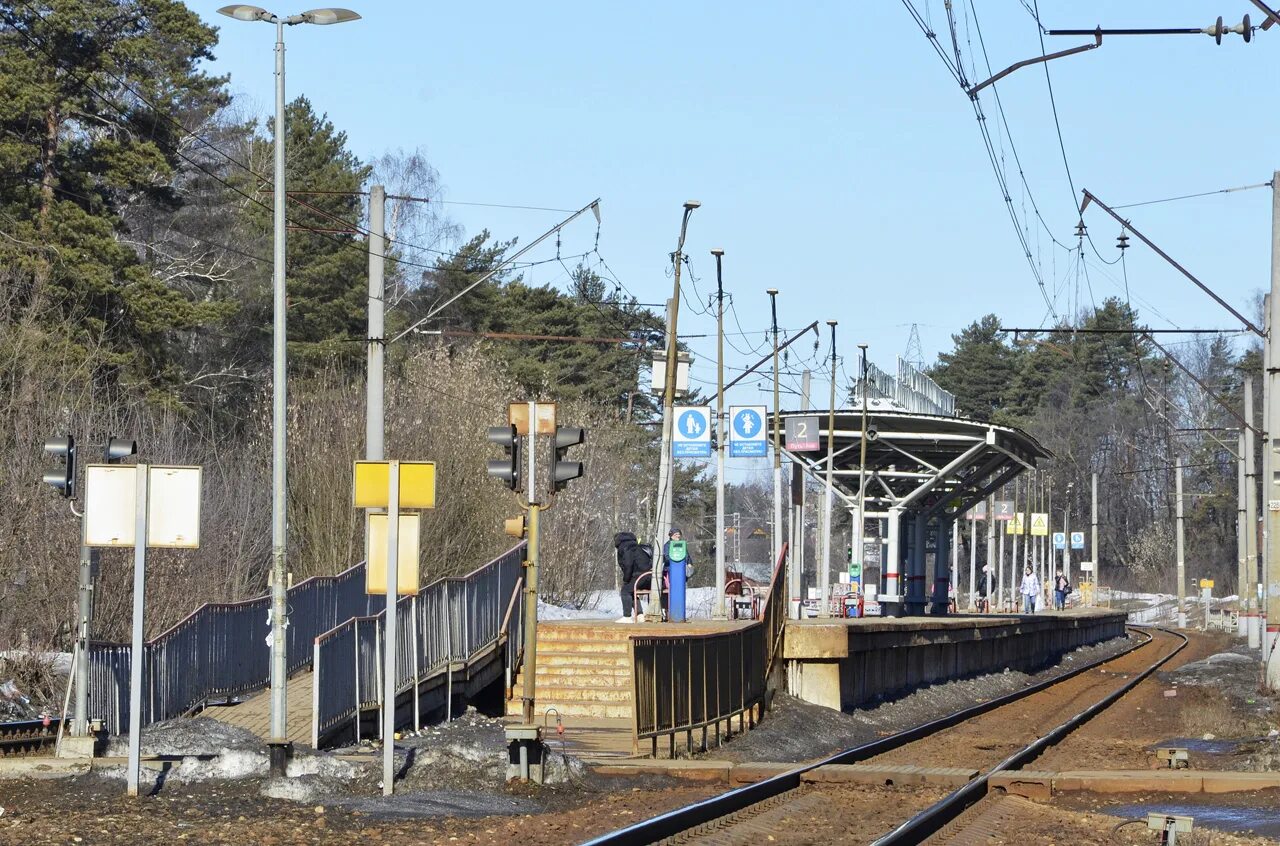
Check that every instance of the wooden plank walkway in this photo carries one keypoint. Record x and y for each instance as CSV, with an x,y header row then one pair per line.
x,y
254,713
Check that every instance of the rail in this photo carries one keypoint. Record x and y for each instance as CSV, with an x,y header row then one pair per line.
x,y
681,820
218,651
450,621
683,684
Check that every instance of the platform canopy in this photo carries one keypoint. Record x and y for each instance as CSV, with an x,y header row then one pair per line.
x,y
917,462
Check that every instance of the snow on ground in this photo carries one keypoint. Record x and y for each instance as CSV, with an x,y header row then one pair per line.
x,y
607,605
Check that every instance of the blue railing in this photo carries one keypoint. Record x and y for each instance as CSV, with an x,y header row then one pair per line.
x,y
449,622
219,651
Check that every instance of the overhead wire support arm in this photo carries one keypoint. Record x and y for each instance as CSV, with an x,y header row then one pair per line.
x,y
973,91
1090,198
1212,394
812,327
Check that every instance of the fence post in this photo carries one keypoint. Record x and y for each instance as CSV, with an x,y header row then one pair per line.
x,y
417,654
355,650
377,668
448,655
315,695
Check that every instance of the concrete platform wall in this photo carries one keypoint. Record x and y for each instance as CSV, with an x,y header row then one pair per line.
x,y
845,665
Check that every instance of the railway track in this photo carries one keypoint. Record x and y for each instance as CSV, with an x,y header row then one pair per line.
x,y
29,737
1005,733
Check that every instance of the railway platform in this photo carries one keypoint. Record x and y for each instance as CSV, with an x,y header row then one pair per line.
x,y
844,663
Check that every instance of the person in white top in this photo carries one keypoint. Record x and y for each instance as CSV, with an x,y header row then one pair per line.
x,y
1030,590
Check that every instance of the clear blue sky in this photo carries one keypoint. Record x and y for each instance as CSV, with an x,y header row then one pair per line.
x,y
834,156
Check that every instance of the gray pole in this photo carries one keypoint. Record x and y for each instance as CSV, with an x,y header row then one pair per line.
x,y
860,525
374,403
666,474
799,504
973,557
279,738
389,628
1266,470
1000,567
722,437
1272,572
1093,536
824,580
1251,521
991,544
141,479
777,455
1066,530
1182,564
1242,545
88,557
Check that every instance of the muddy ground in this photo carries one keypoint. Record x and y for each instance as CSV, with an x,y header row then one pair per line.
x,y
796,731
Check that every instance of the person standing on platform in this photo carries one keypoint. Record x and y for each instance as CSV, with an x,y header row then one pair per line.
x,y
984,589
1061,587
1030,590
625,545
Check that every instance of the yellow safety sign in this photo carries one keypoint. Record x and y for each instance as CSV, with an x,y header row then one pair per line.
x,y
1039,524
1014,526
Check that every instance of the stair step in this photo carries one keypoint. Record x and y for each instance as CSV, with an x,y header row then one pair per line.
x,y
569,657
577,671
585,681
574,708
583,693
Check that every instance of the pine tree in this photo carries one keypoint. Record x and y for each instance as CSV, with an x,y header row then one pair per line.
x,y
979,370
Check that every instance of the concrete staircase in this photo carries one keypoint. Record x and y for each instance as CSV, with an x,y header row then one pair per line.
x,y
584,670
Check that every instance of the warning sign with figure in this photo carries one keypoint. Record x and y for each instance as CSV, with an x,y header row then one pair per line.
x,y
691,434
1039,524
1077,540
1059,540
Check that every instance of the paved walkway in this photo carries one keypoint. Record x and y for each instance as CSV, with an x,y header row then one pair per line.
x,y
254,713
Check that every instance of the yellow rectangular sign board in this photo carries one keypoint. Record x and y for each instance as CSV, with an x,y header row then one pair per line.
x,y
372,481
1039,524
1016,526
407,556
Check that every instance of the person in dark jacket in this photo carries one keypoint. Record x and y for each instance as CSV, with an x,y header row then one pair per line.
x,y
634,560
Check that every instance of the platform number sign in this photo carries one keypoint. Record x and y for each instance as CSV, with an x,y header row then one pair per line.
x,y
802,434
691,436
747,434
1077,540
1004,509
1059,540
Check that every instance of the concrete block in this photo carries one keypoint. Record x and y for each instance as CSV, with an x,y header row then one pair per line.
x,y
77,747
1224,782
1029,784
816,641
1135,781
753,771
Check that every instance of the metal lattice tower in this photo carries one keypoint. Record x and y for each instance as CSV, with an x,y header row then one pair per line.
x,y
915,353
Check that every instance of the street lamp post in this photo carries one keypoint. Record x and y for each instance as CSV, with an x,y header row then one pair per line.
x,y
279,738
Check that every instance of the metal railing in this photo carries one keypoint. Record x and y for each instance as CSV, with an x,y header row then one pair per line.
x,y
682,683
218,651
450,621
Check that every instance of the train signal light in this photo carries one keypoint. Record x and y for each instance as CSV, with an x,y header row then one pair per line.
x,y
118,449
63,478
563,472
506,469
517,527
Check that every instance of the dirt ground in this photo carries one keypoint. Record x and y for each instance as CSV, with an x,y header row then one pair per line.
x,y
796,731
1206,699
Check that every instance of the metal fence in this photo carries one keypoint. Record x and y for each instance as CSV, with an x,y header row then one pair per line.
x,y
218,651
701,683
450,621
911,390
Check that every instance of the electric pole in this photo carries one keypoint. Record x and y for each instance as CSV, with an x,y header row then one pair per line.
x,y
1251,521
1093,537
666,474
721,437
777,456
824,579
1182,564
1271,579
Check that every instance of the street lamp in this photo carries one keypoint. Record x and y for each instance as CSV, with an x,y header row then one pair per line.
x,y
279,739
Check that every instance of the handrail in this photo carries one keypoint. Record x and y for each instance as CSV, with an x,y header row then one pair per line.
x,y
506,618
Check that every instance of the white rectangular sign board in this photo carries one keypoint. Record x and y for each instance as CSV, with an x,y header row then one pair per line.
x,y
691,432
173,518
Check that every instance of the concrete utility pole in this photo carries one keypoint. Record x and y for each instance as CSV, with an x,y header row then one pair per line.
x,y
1252,629
1264,521
991,543
666,468
1242,545
1015,570
777,457
1093,536
800,499
374,403
860,520
721,437
1271,580
973,556
1000,561
1182,564
1066,531
824,578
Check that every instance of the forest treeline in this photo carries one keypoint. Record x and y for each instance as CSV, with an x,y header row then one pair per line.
x,y
135,245
1113,404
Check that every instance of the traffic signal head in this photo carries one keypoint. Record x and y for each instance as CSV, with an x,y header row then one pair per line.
x,y
506,469
62,478
118,449
563,472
